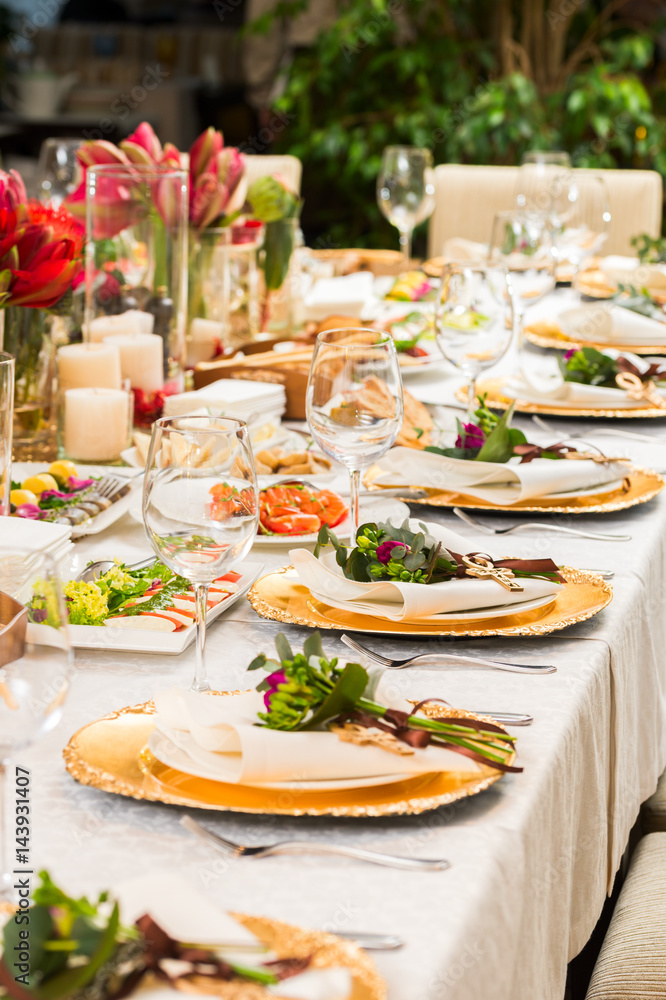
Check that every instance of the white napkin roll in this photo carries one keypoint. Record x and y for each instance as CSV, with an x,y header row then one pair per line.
x,y
611,323
219,733
503,483
548,385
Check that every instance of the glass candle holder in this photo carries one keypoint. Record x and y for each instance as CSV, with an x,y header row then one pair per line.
x,y
136,275
95,424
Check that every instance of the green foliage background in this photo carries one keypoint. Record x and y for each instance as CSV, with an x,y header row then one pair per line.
x,y
429,73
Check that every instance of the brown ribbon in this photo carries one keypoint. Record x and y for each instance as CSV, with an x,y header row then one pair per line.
x,y
539,567
654,370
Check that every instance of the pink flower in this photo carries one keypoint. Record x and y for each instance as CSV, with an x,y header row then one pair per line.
x,y
569,354
472,438
143,146
385,551
203,150
12,194
216,179
273,680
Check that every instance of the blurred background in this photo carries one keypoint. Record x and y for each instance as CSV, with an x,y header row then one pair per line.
x,y
476,81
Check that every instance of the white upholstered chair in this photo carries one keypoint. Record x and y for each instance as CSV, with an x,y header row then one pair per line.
x,y
632,961
467,198
653,812
290,167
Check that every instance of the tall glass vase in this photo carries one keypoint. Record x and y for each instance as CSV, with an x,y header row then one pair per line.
x,y
208,294
6,407
136,276
28,337
282,311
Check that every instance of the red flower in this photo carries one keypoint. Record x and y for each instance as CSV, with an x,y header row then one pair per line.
x,y
40,249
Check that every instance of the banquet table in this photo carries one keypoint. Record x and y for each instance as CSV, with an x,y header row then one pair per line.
x,y
532,858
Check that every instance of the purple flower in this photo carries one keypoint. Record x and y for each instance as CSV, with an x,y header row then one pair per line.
x,y
273,680
385,551
569,354
30,510
39,615
472,438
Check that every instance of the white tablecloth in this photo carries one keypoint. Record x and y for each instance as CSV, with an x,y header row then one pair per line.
x,y
532,858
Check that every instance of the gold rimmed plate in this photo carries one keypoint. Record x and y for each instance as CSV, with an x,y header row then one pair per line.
x,y
547,334
640,486
493,389
280,597
112,754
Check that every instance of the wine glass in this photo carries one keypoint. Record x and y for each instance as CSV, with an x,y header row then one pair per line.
x,y
35,670
522,243
405,191
544,179
58,170
200,505
581,219
354,400
474,318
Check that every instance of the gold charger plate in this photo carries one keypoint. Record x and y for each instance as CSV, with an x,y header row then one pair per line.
x,y
112,754
644,485
493,388
325,951
547,334
282,598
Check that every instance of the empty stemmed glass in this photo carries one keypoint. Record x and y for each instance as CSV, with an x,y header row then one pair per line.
x,y
35,671
354,400
58,169
474,319
544,180
405,191
200,505
522,243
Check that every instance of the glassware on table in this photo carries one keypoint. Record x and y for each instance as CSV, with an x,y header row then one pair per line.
x,y
581,219
35,670
136,275
543,182
354,400
406,191
6,427
522,243
58,170
474,319
200,505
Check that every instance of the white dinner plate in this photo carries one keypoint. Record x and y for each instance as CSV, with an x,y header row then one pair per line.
x,y
479,614
21,471
137,640
177,757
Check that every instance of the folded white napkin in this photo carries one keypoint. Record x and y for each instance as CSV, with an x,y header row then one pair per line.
x,y
628,271
548,385
503,483
23,533
605,324
344,296
219,733
188,915
230,397
458,248
411,601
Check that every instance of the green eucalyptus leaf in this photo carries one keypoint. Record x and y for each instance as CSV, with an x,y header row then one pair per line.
x,y
70,981
283,647
259,662
497,447
414,561
313,646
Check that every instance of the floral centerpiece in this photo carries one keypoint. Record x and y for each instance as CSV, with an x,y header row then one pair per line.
x,y
41,251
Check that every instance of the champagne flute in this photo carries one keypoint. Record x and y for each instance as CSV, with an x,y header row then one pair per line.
x,y
35,670
474,319
405,191
581,219
200,505
354,400
522,243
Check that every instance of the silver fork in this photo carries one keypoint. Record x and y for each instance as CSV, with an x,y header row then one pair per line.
x,y
230,848
454,660
590,432
113,487
527,526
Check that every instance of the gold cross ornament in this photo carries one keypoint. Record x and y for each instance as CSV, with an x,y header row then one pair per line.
x,y
483,568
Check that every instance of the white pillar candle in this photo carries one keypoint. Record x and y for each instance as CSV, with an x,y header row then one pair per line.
x,y
141,359
87,366
205,335
131,321
97,424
